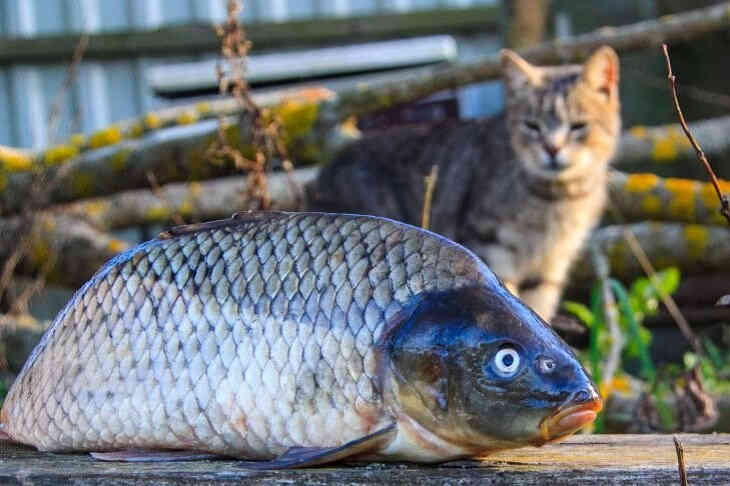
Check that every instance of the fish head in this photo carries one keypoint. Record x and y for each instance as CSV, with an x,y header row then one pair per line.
x,y
480,370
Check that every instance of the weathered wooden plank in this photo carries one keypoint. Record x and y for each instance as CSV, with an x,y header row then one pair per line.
x,y
184,39
586,459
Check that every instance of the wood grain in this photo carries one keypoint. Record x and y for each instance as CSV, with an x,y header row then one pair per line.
x,y
585,459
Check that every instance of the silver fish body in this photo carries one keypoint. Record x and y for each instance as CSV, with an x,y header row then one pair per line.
x,y
246,338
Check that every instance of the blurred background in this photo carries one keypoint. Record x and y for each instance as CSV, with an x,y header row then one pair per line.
x,y
98,95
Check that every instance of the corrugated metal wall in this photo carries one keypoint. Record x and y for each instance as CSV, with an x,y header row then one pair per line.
x,y
108,91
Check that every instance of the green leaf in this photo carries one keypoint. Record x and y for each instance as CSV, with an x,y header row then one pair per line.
x,y
668,280
580,311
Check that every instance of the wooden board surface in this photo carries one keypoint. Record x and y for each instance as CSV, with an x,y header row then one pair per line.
x,y
584,459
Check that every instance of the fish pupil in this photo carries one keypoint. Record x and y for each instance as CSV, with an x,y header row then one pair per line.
x,y
507,360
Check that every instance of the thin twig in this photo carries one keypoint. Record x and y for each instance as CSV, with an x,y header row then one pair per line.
x,y
666,299
43,185
265,125
680,461
160,194
68,82
724,201
430,182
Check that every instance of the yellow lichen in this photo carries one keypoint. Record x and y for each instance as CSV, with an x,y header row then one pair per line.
x,y
186,118
77,140
708,195
95,207
157,213
203,108
639,131
39,252
186,208
697,238
81,184
60,153
136,129
196,188
297,118
664,149
14,160
651,205
152,121
104,137
682,198
119,160
640,183
116,246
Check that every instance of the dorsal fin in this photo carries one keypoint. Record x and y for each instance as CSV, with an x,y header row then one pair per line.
x,y
235,220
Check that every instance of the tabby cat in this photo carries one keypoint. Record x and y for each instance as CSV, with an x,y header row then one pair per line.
x,y
522,189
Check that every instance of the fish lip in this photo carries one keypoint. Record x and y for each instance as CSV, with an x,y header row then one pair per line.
x,y
567,420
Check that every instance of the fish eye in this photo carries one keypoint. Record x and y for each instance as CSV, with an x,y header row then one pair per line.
x,y
546,365
507,361
531,125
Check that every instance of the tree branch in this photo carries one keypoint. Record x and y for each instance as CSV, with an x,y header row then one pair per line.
x,y
724,202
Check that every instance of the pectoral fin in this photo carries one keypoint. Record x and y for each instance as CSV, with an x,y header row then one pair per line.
x,y
139,455
314,456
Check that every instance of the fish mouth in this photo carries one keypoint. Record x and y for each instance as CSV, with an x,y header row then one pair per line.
x,y
568,420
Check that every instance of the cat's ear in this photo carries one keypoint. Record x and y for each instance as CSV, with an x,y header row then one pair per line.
x,y
518,73
600,71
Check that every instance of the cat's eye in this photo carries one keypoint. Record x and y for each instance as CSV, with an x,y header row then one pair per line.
x,y
577,126
532,126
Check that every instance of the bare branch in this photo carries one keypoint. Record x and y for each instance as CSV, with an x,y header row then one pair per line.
x,y
724,202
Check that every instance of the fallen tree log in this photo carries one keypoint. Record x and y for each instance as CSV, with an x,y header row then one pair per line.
x,y
666,150
172,154
671,243
317,111
178,154
18,337
636,197
640,197
695,249
194,201
75,248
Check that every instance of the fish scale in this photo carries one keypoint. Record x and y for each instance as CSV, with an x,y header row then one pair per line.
x,y
241,338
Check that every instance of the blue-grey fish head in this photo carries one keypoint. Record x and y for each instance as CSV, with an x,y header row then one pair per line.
x,y
480,370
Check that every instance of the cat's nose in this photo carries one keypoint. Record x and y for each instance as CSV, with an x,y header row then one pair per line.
x,y
551,149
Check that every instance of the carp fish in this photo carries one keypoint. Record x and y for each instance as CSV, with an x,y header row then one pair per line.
x,y
295,339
